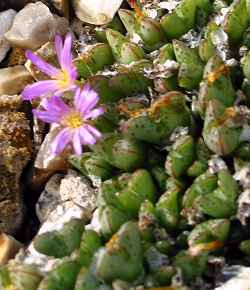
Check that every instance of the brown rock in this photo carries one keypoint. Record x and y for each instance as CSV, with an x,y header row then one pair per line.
x,y
17,57
8,248
15,152
13,80
15,129
11,216
10,103
62,6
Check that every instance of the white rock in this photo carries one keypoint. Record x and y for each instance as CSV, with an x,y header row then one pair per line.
x,y
33,26
63,192
95,222
6,19
71,196
243,209
243,176
50,198
77,188
96,12
62,214
240,282
13,80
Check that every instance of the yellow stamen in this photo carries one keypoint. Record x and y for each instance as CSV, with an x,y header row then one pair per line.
x,y
63,79
73,120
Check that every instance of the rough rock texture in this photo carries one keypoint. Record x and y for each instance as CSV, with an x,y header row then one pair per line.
x,y
6,19
49,198
13,80
243,212
63,192
15,152
10,103
16,56
33,26
77,188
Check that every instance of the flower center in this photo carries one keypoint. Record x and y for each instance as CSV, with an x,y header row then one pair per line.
x,y
63,79
73,120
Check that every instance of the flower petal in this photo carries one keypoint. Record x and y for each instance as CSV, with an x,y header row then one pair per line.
x,y
42,65
77,142
59,48
94,113
66,56
97,134
77,98
39,88
55,104
47,117
73,74
86,137
61,140
89,99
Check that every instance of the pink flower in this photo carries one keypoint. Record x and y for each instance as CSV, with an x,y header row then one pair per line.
x,y
62,80
74,121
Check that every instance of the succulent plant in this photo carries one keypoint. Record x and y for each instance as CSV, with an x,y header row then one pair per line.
x,y
173,83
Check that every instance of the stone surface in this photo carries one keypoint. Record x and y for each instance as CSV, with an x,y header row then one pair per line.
x,y
63,192
240,281
17,56
33,26
6,19
15,152
64,198
62,25
10,103
95,224
77,188
243,208
50,198
96,12
8,248
13,80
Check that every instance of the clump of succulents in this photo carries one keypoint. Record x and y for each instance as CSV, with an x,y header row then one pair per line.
x,y
162,111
